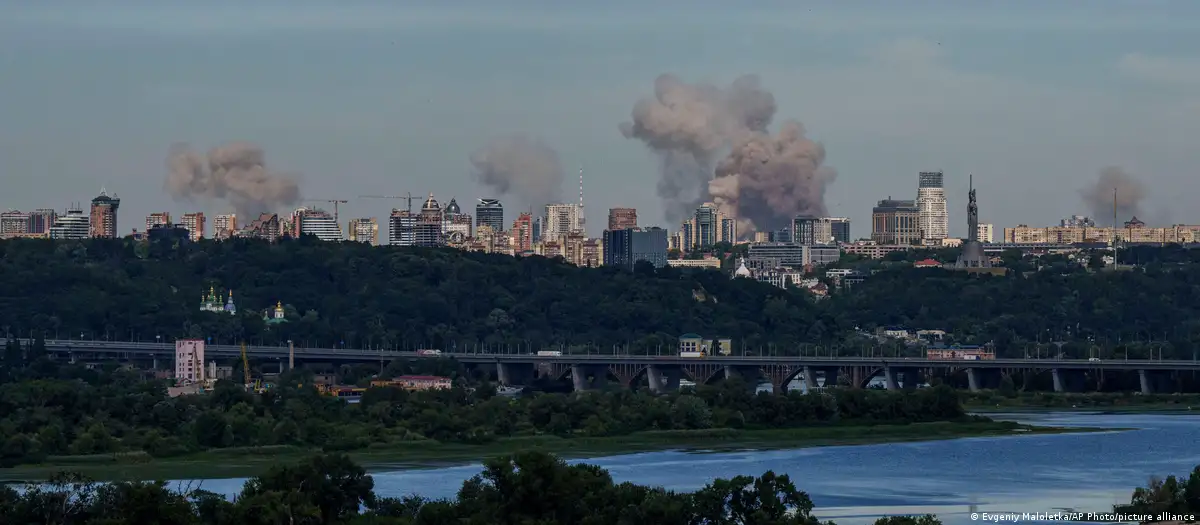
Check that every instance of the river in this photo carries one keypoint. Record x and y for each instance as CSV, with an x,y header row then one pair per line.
x,y
855,484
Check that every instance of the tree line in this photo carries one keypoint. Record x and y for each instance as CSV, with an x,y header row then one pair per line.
x,y
522,489
355,295
77,411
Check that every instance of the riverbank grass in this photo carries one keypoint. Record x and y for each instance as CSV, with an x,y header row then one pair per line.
x,y
242,462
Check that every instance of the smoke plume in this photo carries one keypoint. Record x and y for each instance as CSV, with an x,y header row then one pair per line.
x,y
235,172
763,180
521,166
1099,195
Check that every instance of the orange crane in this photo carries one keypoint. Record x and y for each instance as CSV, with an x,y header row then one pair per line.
x,y
407,196
335,204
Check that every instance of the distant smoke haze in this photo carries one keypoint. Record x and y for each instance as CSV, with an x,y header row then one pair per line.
x,y
235,173
1099,195
763,180
521,166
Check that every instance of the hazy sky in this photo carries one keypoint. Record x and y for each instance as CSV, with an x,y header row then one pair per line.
x,y
388,97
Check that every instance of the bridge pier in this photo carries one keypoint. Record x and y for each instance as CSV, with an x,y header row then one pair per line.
x,y
1066,380
1153,381
889,378
663,379
831,376
810,379
588,377
515,374
751,375
983,379
910,378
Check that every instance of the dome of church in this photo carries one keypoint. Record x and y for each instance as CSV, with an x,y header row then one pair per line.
x,y
452,208
741,271
431,204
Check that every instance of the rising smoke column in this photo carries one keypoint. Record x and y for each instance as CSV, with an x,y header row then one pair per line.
x,y
522,166
690,126
235,172
1099,195
768,180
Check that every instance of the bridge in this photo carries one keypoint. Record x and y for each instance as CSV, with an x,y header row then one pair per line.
x,y
664,372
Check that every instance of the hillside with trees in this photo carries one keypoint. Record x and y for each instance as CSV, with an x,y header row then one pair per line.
x,y
355,295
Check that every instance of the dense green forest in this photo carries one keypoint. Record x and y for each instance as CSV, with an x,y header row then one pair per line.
x,y
77,411
352,294
524,489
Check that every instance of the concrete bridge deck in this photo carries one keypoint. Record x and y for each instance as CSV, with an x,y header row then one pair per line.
x,y
779,370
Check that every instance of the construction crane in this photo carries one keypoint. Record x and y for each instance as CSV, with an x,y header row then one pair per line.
x,y
245,366
335,204
407,196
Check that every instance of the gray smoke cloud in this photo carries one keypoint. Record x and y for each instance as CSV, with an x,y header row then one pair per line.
x,y
235,172
1099,195
521,166
690,125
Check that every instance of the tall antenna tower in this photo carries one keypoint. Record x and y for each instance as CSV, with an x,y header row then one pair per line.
x,y
582,220
1114,228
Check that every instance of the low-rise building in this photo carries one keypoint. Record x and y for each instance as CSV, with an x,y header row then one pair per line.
x,y
415,382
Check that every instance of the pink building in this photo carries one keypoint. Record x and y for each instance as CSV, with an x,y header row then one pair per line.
x,y
189,360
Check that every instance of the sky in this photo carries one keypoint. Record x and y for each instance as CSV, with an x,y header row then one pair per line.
x,y
362,97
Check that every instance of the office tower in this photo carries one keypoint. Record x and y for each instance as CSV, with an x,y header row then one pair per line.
x,y
364,230
624,248
522,231
14,224
224,226
194,224
161,218
622,218
809,231
491,213
931,205
402,228
40,221
537,229
429,224
840,228
73,225
318,223
562,219
895,222
103,220
707,227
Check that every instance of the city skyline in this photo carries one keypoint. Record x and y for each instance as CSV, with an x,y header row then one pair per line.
x,y
930,86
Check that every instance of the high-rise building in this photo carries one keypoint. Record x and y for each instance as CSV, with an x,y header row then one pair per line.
x,y
809,231
189,360
267,227
840,228
73,225
895,222
103,220
364,230
707,227
1077,221
224,226
402,228
622,218
194,224
522,230
625,247
13,224
491,213
161,218
562,219
985,233
429,224
318,223
931,205
40,221
537,229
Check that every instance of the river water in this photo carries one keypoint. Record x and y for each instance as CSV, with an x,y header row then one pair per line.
x,y
855,484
